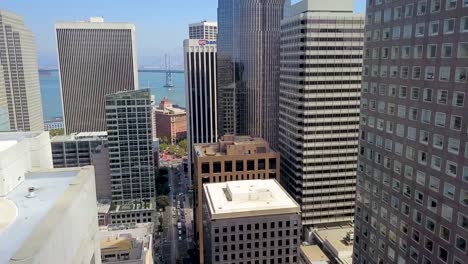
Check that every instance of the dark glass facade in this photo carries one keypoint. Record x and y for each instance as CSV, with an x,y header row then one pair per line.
x,y
248,67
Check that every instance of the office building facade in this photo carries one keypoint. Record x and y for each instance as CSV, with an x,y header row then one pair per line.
x,y
84,149
130,146
320,78
95,59
170,121
203,30
200,93
412,184
232,158
20,94
250,221
248,68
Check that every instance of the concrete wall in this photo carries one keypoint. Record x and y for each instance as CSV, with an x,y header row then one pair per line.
x,y
71,228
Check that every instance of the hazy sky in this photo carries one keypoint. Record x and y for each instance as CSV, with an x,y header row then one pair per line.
x,y
161,25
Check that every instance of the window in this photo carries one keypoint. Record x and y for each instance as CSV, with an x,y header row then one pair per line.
x,y
436,163
403,91
407,31
404,72
421,9
465,174
438,141
435,6
442,96
432,204
423,137
450,4
465,3
447,49
434,183
430,225
405,52
447,212
460,74
464,197
432,51
409,10
443,254
396,32
449,190
464,24
462,221
444,73
451,169
454,146
413,114
460,243
397,13
462,50
417,72
444,233
429,73
415,93
440,119
395,52
393,71
418,51
428,244
427,95
433,28
455,122
426,116
449,26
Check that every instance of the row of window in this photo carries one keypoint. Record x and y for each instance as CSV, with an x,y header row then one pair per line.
x,y
407,11
442,73
433,51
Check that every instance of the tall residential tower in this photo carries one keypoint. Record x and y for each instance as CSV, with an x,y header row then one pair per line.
x,y
95,59
412,179
130,146
248,67
20,95
321,64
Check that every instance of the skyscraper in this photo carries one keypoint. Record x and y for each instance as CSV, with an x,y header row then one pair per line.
x,y
95,59
130,146
200,90
321,64
20,95
412,179
203,30
248,67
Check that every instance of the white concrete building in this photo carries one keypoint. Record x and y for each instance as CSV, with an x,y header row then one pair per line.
x,y
96,58
22,152
39,205
203,30
320,79
20,95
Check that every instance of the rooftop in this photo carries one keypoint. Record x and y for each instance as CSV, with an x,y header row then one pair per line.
x,y
135,206
233,145
135,239
82,136
248,198
26,217
314,254
334,240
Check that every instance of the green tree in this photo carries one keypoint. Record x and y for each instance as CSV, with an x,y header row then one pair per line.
x,y
183,144
56,132
162,201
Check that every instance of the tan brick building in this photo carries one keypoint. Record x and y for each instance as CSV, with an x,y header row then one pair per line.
x,y
233,158
171,122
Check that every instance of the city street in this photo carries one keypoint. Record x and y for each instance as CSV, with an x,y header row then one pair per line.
x,y
177,238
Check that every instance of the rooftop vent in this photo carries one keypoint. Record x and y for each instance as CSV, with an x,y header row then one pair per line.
x,y
31,193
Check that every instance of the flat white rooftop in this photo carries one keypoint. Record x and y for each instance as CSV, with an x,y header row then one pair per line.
x,y
16,227
248,198
333,239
